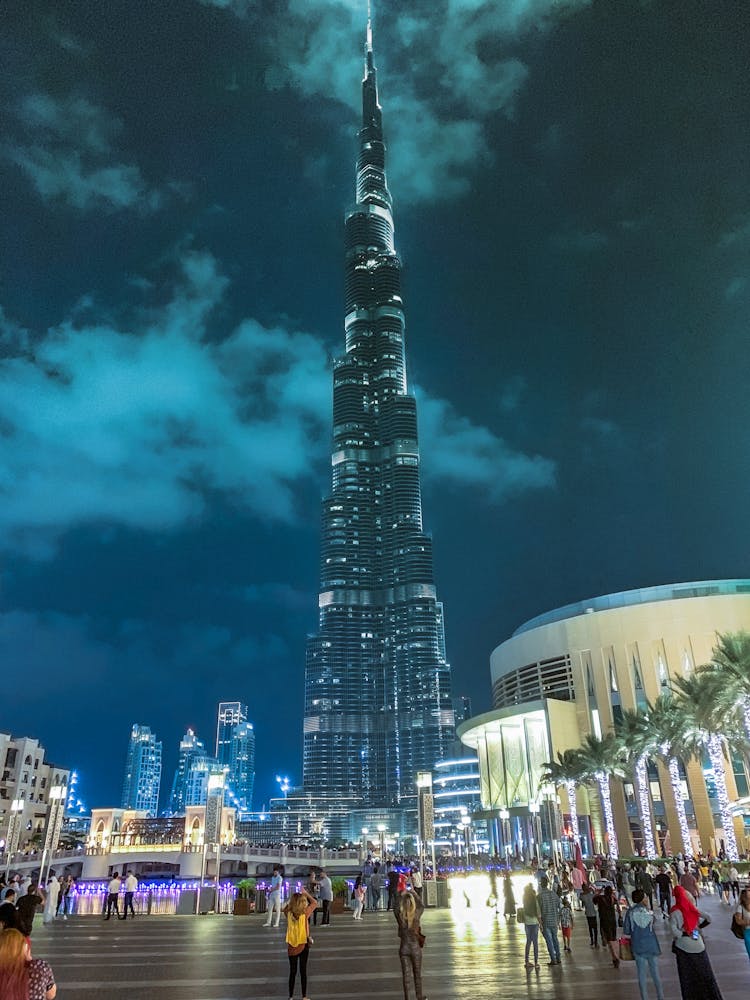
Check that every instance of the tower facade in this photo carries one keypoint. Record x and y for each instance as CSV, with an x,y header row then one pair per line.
x,y
377,683
235,751
192,760
140,789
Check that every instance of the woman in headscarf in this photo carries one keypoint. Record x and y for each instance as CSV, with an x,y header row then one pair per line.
x,y
697,981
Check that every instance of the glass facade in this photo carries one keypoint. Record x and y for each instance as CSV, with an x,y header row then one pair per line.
x,y
140,789
377,683
235,751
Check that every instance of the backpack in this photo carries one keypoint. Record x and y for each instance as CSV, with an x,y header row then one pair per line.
x,y
296,930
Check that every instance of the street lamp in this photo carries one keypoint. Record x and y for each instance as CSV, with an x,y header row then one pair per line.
x,y
504,818
365,831
534,808
54,824
284,784
466,823
381,834
14,831
425,817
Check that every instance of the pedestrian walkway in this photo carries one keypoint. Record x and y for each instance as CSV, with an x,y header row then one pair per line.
x,y
470,953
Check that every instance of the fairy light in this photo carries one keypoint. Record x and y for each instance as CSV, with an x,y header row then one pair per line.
x,y
609,819
641,780
570,788
716,756
674,779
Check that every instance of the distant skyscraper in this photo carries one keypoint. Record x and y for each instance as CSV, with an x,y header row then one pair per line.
x,y
377,685
140,789
235,750
192,754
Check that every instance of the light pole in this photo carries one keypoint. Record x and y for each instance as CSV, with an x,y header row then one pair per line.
x,y
381,834
365,831
284,785
534,808
504,817
425,816
14,831
466,823
54,824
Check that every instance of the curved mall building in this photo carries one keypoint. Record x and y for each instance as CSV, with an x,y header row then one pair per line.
x,y
573,671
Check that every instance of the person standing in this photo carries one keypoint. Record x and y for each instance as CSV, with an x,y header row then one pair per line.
x,y
689,882
549,908
8,912
392,887
638,925
359,898
531,917
590,912
298,910
697,980
326,898
376,882
408,909
22,976
742,917
274,898
131,884
52,894
664,890
509,900
66,890
416,880
26,908
113,895
313,888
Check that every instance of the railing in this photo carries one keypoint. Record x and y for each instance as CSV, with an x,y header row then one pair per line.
x,y
155,898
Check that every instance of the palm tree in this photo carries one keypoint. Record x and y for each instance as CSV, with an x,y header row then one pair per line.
x,y
731,660
672,742
701,698
566,770
601,759
635,737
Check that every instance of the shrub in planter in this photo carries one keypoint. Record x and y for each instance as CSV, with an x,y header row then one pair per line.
x,y
340,894
244,901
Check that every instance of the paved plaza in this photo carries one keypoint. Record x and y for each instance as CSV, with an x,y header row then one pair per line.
x,y
470,953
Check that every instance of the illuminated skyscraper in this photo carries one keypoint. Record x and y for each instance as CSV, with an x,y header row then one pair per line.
x,y
377,685
192,759
140,789
235,750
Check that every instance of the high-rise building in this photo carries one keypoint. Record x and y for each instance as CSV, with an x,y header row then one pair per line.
x,y
32,791
377,684
192,753
140,789
235,750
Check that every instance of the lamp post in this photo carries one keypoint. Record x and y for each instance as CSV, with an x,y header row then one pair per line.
x,y
381,834
505,825
534,808
425,817
466,824
14,831
55,814
284,785
365,831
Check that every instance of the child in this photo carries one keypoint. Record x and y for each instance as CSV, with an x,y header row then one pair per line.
x,y
566,922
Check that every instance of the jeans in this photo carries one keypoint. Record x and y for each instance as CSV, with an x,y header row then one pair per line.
x,y
747,941
302,960
411,965
532,941
326,919
593,929
553,944
642,962
274,903
128,904
112,904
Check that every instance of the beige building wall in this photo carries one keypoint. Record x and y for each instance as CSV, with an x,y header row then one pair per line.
x,y
614,649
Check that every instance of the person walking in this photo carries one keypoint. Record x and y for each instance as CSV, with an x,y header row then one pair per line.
x,y
664,889
274,898
742,917
549,908
590,911
566,923
638,925
509,900
376,882
697,980
298,910
26,908
609,911
21,976
131,884
408,909
113,896
326,898
531,918
359,898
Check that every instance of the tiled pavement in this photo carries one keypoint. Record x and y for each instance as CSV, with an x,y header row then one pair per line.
x,y
470,953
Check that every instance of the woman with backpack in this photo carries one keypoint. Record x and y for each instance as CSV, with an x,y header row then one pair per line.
x,y
298,910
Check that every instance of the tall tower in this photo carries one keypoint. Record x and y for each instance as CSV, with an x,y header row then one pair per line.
x,y
192,752
235,750
377,685
140,788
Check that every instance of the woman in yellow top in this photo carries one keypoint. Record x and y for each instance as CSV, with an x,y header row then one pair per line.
x,y
298,910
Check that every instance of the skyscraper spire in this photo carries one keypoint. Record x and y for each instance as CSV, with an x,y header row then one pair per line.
x,y
377,683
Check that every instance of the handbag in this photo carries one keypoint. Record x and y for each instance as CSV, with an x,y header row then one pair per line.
x,y
520,915
739,932
626,952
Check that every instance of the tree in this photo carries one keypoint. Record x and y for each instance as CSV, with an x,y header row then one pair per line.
x,y
731,661
701,698
601,759
635,738
566,771
671,742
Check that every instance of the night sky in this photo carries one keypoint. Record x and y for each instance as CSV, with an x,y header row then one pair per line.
x,y
572,204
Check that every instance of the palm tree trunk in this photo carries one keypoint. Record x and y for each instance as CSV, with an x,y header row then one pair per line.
x,y
679,803
716,755
609,818
570,788
644,805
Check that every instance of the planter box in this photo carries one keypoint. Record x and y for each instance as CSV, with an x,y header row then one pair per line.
x,y
242,907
